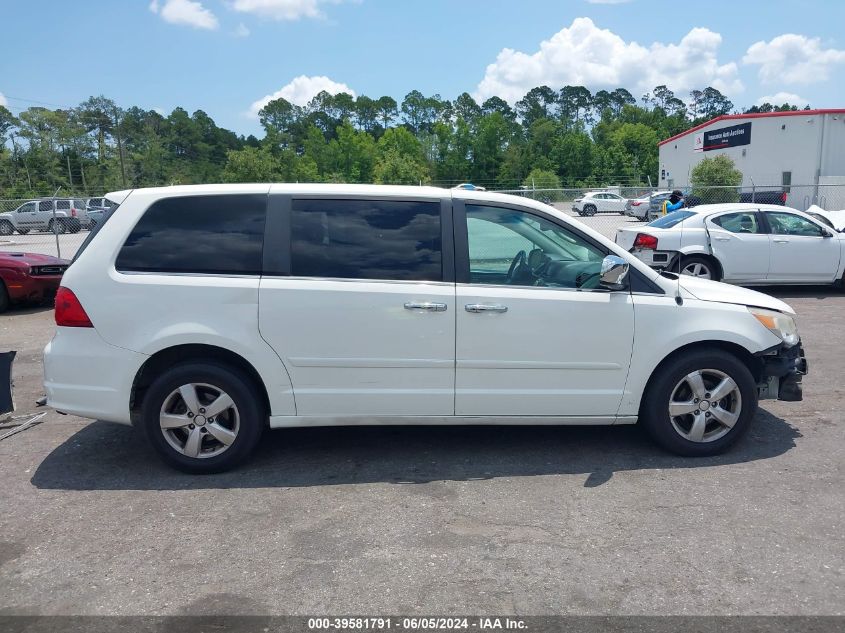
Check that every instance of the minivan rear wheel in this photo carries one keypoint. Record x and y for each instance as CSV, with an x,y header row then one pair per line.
x,y
700,403
203,417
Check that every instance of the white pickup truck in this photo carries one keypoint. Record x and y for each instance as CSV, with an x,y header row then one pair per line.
x,y
56,215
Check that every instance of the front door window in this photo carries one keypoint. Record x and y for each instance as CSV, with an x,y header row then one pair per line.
x,y
517,248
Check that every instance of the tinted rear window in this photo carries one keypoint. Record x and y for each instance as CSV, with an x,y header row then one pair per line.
x,y
366,239
198,234
671,219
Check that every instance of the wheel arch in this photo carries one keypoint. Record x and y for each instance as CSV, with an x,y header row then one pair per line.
x,y
192,352
703,255
752,362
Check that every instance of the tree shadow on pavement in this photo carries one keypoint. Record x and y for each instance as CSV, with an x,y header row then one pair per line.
x,y
105,456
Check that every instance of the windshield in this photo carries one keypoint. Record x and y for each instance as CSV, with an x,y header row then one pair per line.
x,y
671,219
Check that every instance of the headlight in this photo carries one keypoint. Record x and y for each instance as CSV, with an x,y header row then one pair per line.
x,y
780,324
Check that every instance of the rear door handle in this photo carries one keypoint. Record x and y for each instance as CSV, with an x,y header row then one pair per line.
x,y
426,305
780,241
475,308
722,239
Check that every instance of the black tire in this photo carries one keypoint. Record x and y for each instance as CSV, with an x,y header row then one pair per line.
x,y
92,224
590,210
23,231
75,226
700,263
6,227
5,302
654,410
57,226
253,417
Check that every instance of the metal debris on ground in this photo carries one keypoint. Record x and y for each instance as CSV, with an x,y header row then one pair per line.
x,y
32,421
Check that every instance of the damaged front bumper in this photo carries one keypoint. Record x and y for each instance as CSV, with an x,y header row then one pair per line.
x,y
782,370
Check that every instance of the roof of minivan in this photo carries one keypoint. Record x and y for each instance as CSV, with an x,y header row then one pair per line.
x,y
405,191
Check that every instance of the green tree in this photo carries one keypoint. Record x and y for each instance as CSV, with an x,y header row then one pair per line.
x,y
716,179
542,179
252,164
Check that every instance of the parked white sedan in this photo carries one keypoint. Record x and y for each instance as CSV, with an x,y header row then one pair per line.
x,y
740,243
600,202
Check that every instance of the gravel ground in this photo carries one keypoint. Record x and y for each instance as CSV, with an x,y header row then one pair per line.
x,y
393,520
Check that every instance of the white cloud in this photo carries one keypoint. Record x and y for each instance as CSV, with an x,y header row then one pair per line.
x,y
793,58
779,98
187,12
300,91
583,54
242,30
3,101
283,9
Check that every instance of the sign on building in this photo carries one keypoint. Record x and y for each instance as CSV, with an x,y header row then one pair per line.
x,y
732,136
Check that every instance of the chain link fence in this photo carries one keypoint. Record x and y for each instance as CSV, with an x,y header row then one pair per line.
x,y
57,226
54,226
609,208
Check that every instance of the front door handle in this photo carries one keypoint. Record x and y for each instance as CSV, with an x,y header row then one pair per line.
x,y
426,305
475,308
780,241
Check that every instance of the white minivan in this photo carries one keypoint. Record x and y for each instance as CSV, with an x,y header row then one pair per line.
x,y
204,314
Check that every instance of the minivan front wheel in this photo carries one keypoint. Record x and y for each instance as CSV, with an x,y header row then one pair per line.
x,y
700,403
203,417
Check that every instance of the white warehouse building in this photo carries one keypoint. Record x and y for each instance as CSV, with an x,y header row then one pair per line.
x,y
801,154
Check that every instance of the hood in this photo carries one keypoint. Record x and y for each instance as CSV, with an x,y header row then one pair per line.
x,y
706,290
32,259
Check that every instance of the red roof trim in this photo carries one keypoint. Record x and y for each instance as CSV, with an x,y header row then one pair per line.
x,y
753,115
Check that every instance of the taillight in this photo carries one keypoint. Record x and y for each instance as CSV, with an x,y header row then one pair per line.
x,y
69,312
783,197
636,203
648,242
73,213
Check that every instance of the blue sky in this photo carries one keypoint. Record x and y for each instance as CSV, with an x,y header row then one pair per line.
x,y
223,56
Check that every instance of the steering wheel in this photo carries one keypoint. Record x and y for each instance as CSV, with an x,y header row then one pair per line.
x,y
518,260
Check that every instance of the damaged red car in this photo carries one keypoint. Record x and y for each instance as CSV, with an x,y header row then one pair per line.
x,y
29,278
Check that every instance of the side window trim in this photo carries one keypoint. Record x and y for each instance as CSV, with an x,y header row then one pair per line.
x,y
462,272
763,219
276,254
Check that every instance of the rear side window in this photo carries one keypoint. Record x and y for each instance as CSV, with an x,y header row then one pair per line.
x,y
739,222
63,205
366,239
221,234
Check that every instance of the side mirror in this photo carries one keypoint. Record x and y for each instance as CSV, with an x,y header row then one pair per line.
x,y
614,271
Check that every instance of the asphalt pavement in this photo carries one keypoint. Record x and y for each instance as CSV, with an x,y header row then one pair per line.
x,y
473,520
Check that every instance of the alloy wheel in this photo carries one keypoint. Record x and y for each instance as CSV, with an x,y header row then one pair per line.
x,y
199,420
697,269
705,405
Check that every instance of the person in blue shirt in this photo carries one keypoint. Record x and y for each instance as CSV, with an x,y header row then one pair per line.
x,y
674,202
